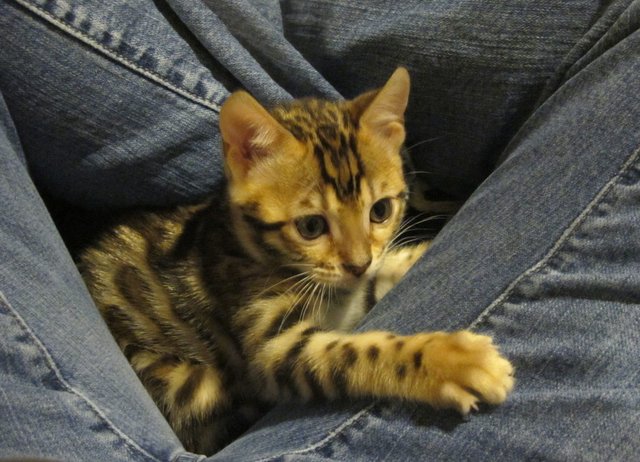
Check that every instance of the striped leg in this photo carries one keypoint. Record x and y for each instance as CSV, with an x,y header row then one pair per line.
x,y
445,370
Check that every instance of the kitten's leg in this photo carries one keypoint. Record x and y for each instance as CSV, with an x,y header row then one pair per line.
x,y
394,266
454,370
193,398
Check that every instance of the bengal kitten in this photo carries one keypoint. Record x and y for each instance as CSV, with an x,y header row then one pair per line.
x,y
246,299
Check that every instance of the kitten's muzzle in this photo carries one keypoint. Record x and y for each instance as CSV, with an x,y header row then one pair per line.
x,y
356,270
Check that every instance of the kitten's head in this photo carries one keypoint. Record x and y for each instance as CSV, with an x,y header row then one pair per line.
x,y
318,185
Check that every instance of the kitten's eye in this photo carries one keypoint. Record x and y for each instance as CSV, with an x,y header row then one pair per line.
x,y
380,211
312,226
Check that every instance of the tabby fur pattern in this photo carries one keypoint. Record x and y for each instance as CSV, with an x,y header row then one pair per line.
x,y
246,299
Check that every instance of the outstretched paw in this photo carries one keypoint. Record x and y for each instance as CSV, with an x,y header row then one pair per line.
x,y
461,369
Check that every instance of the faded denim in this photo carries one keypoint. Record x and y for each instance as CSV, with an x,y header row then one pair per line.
x,y
534,105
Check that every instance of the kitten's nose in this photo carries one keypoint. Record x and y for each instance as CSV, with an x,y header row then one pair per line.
x,y
356,270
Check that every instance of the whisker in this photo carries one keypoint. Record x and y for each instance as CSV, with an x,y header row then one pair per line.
x,y
299,295
412,224
320,302
406,242
308,294
420,216
428,140
295,286
403,236
333,296
303,274
309,301
316,299
434,173
419,220
314,303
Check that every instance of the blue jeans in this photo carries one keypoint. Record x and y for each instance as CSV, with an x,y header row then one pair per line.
x,y
533,104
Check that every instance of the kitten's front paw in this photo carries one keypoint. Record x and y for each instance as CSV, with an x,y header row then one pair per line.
x,y
396,264
463,368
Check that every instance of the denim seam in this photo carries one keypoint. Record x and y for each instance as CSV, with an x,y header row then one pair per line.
x,y
327,439
117,57
559,243
53,367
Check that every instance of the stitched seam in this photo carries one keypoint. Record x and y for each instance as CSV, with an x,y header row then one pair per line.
x,y
53,367
114,55
559,243
327,439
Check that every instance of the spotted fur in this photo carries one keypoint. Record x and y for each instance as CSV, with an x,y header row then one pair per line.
x,y
225,307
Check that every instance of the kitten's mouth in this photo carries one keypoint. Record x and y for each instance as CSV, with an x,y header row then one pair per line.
x,y
341,281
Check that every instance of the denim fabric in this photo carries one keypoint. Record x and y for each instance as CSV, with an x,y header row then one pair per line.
x,y
116,121
65,389
115,104
135,86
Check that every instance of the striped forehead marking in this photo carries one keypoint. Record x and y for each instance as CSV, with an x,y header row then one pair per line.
x,y
331,131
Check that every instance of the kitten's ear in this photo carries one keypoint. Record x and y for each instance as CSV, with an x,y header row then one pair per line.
x,y
249,132
382,111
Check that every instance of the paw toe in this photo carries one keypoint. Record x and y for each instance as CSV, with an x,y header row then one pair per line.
x,y
456,397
